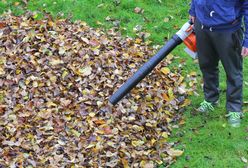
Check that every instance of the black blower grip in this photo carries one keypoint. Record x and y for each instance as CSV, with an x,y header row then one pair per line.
x,y
145,69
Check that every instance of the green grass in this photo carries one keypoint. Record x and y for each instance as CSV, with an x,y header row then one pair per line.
x,y
207,140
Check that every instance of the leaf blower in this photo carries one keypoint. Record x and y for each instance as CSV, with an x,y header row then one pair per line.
x,y
185,35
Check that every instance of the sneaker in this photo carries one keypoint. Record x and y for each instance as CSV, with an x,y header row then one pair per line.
x,y
206,106
234,118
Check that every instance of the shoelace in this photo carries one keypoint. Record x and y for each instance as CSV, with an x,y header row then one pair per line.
x,y
207,106
233,115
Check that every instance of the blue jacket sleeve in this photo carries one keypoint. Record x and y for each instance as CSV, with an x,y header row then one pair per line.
x,y
192,8
245,14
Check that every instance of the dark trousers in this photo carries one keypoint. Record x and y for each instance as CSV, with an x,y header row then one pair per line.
x,y
225,47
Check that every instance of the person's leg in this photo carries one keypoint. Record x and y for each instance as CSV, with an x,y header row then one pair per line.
x,y
208,61
228,46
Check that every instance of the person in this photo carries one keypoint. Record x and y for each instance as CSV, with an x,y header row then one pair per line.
x,y
219,36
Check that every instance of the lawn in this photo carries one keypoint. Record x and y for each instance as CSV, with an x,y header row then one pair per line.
x,y
207,140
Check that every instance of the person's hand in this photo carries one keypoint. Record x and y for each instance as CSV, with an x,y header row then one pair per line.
x,y
244,52
192,18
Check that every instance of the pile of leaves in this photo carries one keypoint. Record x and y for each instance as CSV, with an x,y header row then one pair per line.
x,y
55,81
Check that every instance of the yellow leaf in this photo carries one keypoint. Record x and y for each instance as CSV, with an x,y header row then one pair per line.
x,y
156,99
132,65
51,104
138,41
76,133
90,146
165,70
50,23
35,84
56,61
168,119
164,135
99,23
143,163
100,132
68,117
125,163
24,24
174,152
35,16
64,74
180,79
137,143
18,71
92,114
53,79
137,128
163,155
27,81
153,141
182,122
2,72
169,57
45,114
171,94
112,144
159,162
186,103
149,125
167,112
148,97
2,60
17,3
166,19
193,73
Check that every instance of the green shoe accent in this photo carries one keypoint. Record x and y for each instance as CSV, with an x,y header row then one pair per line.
x,y
205,107
234,118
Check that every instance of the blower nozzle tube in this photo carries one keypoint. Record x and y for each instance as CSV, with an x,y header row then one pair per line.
x,y
177,39
145,70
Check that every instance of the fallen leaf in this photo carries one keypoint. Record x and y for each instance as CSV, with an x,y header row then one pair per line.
x,y
138,10
76,133
243,159
165,70
166,19
137,143
2,72
2,25
174,152
107,130
56,61
124,163
85,71
99,122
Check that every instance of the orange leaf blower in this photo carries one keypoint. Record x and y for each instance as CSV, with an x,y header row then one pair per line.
x,y
190,43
